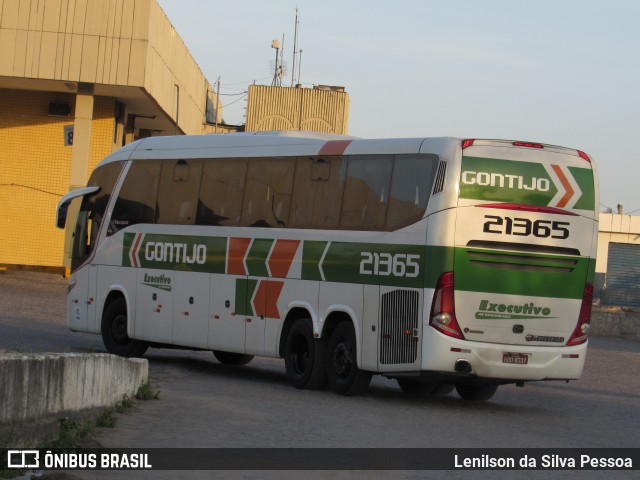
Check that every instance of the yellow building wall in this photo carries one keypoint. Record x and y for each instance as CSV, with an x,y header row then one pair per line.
x,y
34,172
105,42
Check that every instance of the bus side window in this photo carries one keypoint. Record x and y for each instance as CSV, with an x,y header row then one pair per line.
x,y
178,192
221,192
366,192
136,202
413,177
268,193
317,192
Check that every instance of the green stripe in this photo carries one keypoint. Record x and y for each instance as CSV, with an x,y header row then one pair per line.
x,y
178,252
375,264
512,178
584,179
311,254
127,243
512,172
439,261
257,258
244,293
484,277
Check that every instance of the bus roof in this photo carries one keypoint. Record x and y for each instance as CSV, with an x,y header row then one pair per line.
x,y
297,143
266,144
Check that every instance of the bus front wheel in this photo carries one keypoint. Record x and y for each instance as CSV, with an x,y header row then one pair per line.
x,y
304,357
476,393
345,378
114,331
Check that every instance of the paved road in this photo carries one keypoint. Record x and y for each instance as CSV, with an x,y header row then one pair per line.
x,y
205,404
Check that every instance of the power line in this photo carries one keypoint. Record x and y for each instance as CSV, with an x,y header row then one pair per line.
x,y
30,188
232,94
235,101
247,82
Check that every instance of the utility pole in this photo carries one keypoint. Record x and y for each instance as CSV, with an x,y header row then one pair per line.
x,y
295,47
217,103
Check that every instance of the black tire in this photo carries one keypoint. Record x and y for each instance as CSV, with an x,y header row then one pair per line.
x,y
441,389
230,358
114,331
476,393
415,387
305,357
345,378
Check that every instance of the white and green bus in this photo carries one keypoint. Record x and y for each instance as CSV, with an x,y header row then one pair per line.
x,y
439,262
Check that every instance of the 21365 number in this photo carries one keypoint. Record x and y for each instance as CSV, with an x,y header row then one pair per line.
x,y
525,227
387,264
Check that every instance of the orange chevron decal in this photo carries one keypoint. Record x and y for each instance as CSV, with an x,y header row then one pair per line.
x,y
237,250
135,261
565,183
266,298
282,257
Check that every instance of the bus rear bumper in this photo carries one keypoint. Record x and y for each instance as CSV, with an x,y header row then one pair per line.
x,y
494,361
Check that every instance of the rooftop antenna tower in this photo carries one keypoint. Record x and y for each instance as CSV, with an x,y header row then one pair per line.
x,y
278,66
295,50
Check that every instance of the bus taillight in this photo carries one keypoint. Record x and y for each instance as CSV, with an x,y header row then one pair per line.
x,y
443,312
581,332
467,143
528,145
583,156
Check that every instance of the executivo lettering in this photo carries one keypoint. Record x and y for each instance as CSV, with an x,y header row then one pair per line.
x,y
489,310
157,281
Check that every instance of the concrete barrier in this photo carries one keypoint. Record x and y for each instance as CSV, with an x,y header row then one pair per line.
x,y
39,385
616,322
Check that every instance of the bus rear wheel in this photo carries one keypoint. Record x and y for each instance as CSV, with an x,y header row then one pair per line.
x,y
231,358
345,378
305,357
114,331
476,393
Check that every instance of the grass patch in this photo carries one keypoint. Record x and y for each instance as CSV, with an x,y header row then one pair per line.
x,y
145,392
106,419
71,433
123,405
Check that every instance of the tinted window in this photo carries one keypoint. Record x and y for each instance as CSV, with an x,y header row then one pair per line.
x,y
411,183
366,192
317,192
92,211
137,199
222,191
178,193
268,192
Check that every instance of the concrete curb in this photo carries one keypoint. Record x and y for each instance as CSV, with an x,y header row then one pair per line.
x,y
34,386
616,322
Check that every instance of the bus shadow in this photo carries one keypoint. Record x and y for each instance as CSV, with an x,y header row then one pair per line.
x,y
381,390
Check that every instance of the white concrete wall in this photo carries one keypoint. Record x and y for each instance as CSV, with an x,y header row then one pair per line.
x,y
34,386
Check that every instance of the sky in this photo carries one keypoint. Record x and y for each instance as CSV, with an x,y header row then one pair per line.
x,y
557,72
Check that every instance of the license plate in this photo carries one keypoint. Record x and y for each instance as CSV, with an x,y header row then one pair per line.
x,y
516,358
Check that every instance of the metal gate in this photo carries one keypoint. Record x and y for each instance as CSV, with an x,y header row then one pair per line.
x,y
623,276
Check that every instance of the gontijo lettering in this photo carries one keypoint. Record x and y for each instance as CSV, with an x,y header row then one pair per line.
x,y
165,252
517,182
